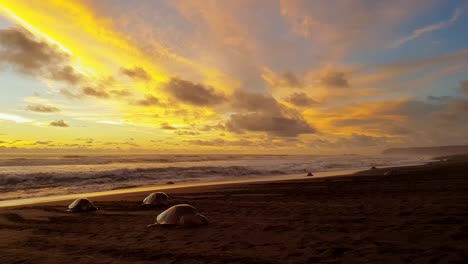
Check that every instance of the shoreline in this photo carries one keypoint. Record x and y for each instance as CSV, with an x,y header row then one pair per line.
x,y
165,187
183,185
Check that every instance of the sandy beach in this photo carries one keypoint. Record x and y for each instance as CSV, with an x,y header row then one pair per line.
x,y
419,215
287,131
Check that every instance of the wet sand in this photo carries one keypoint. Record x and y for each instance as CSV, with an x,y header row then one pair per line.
x,y
417,216
166,187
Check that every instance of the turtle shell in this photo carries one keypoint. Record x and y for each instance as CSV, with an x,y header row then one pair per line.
x,y
193,220
81,205
156,198
181,214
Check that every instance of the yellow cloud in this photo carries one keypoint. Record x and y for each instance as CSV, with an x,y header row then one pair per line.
x,y
93,46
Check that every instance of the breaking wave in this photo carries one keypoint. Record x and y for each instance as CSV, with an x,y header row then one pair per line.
x,y
22,177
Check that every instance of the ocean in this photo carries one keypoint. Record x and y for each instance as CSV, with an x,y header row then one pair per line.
x,y
27,176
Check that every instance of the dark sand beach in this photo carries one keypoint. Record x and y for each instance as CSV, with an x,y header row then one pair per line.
x,y
419,215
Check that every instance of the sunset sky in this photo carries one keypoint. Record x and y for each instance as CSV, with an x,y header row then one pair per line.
x,y
266,76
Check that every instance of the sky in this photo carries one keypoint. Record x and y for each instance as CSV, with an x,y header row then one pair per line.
x,y
247,76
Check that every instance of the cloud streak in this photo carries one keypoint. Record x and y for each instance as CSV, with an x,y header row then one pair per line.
x,y
42,108
427,29
99,93
137,73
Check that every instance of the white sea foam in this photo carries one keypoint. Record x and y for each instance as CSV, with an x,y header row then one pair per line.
x,y
26,176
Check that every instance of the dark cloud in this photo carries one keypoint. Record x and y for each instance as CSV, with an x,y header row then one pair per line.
x,y
401,118
272,124
136,73
220,142
353,141
417,109
320,143
95,92
195,94
120,93
42,108
186,133
292,80
360,122
66,74
28,55
301,100
42,143
243,100
59,123
262,113
86,140
167,126
288,79
212,142
149,100
285,80
334,79
75,145
212,127
399,130
439,99
361,140
107,143
375,124
131,143
464,86
437,120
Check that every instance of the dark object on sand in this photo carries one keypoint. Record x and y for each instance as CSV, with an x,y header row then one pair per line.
x,y
373,168
81,205
170,182
182,215
310,174
156,199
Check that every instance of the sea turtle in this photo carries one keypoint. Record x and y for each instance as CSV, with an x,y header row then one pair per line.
x,y
81,205
182,214
156,199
